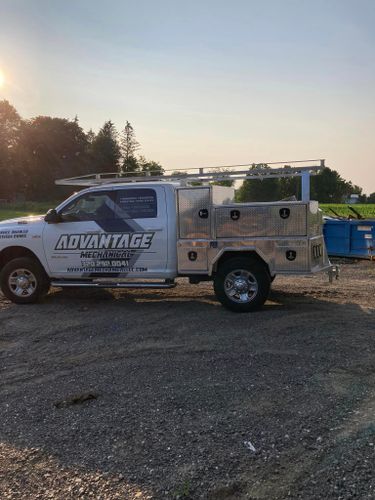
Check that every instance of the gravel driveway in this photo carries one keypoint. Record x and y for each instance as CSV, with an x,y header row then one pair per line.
x,y
139,394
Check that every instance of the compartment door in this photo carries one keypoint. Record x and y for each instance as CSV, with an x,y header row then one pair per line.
x,y
194,211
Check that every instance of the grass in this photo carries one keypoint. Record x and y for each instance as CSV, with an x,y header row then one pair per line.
x,y
12,210
183,490
367,211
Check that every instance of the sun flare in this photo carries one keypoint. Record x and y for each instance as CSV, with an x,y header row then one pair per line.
x,y
2,78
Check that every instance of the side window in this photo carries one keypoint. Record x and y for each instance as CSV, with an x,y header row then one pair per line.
x,y
90,206
137,203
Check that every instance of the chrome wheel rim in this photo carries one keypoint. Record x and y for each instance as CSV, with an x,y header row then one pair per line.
x,y
22,282
241,286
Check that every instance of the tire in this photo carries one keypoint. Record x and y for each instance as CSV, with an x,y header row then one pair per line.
x,y
252,287
24,281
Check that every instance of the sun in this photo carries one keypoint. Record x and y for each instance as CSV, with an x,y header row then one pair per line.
x,y
2,78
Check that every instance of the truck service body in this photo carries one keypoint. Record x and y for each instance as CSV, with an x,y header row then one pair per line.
x,y
145,234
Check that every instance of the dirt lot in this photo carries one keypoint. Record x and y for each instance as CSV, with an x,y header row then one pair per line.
x,y
189,400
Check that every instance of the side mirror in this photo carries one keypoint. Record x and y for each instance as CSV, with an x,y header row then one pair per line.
x,y
52,217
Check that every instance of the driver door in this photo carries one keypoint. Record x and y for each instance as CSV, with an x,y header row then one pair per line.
x,y
69,243
121,232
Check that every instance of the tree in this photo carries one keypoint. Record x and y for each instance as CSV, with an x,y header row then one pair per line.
x,y
289,186
90,136
150,167
257,189
49,149
371,198
105,150
129,147
329,187
227,183
10,123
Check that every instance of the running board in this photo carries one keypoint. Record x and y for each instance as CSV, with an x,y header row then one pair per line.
x,y
108,284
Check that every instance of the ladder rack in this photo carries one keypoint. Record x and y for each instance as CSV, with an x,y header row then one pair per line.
x,y
204,175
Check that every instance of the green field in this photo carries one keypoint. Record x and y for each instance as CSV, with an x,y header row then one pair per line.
x,y
367,211
12,210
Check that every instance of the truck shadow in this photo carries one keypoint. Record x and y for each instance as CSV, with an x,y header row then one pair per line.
x,y
201,296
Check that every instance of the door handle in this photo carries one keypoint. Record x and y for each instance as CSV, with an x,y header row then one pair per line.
x,y
155,229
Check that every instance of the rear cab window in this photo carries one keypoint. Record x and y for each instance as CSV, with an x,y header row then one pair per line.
x,y
139,203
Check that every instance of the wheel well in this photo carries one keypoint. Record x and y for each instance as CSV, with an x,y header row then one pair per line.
x,y
251,254
14,252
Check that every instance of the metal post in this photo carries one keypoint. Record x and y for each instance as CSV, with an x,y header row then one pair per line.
x,y
305,188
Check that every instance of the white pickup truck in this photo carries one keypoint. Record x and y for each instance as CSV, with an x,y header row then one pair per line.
x,y
122,234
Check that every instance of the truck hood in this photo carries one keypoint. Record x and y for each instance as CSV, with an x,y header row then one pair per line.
x,y
20,222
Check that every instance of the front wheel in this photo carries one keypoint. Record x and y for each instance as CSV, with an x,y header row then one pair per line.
x,y
242,284
23,280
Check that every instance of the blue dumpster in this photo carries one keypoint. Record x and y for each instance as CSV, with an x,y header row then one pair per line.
x,y
350,237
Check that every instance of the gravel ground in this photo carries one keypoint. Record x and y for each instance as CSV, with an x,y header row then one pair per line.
x,y
133,394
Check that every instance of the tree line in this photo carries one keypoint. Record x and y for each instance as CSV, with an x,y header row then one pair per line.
x,y
36,152
326,187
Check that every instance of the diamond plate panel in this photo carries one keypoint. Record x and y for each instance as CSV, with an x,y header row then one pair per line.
x,y
190,204
292,255
192,257
261,220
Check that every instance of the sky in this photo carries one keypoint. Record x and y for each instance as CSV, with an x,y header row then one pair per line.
x,y
206,82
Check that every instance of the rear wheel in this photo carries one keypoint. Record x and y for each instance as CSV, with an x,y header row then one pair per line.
x,y
242,284
23,280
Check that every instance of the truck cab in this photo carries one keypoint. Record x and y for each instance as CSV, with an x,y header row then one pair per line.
x,y
114,231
